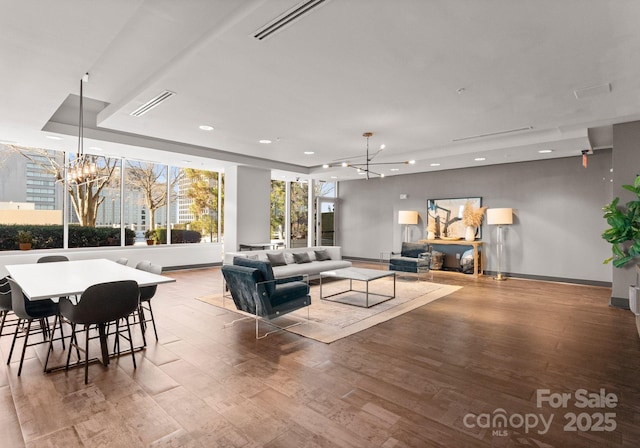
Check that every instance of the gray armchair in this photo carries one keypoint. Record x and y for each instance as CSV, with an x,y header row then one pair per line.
x,y
414,257
255,291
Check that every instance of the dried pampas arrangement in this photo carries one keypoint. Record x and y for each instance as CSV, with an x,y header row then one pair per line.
x,y
472,216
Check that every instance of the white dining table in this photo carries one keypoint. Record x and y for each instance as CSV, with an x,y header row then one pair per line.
x,y
41,281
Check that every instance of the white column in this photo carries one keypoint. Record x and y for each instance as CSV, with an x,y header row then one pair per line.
x,y
246,208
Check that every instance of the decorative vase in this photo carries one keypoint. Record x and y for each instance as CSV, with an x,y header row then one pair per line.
x,y
431,235
470,233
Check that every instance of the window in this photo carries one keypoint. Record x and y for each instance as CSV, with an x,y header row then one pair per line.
x,y
199,205
299,214
278,209
24,205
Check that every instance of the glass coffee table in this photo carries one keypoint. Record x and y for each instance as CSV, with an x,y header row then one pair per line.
x,y
361,275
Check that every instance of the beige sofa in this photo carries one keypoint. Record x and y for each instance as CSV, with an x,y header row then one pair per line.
x,y
312,269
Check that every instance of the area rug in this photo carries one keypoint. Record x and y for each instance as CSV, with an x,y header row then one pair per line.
x,y
330,321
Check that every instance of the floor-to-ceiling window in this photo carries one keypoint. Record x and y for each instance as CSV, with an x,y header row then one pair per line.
x,y
141,199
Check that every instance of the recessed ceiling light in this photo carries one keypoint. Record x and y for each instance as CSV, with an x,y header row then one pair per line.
x,y
54,137
344,164
434,164
382,175
480,159
334,177
545,151
309,152
186,162
95,148
206,127
265,141
362,173
325,166
394,169
411,162
383,146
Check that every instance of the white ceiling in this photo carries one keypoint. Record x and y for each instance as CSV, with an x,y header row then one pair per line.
x,y
394,68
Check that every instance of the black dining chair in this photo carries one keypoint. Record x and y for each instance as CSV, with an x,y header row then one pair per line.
x,y
52,259
99,305
5,305
26,310
146,294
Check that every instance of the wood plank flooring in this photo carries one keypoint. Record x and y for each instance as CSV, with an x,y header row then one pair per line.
x,y
410,382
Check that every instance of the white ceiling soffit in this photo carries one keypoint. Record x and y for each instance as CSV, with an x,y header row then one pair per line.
x,y
430,79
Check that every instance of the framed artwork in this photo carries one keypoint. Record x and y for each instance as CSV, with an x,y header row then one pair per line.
x,y
444,216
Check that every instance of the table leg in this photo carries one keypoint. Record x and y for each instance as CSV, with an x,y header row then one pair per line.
x,y
103,344
366,294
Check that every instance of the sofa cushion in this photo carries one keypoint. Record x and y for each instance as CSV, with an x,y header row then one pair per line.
x,y
413,250
322,255
276,259
301,257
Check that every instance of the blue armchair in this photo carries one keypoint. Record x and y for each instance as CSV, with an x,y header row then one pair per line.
x,y
255,291
414,257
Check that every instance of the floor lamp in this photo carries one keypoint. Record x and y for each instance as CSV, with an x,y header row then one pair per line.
x,y
500,217
407,217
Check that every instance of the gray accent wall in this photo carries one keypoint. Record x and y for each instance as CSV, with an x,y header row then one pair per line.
x,y
557,208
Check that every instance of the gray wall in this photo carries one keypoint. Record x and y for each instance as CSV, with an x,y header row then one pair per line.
x,y
557,213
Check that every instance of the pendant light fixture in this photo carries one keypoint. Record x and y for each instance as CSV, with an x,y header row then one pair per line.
x,y
82,169
366,166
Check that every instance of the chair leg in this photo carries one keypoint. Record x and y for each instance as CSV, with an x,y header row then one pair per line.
x,y
153,320
50,348
86,355
133,356
13,343
4,317
72,342
24,347
142,329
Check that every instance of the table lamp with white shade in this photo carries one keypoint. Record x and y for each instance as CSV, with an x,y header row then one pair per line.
x,y
408,218
500,217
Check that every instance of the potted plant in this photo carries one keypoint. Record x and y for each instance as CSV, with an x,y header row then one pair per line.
x,y
151,237
25,239
624,231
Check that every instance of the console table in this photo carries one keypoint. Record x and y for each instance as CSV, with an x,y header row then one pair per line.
x,y
478,253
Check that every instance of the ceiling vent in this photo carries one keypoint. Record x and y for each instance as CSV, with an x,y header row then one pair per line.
x,y
153,102
587,92
287,18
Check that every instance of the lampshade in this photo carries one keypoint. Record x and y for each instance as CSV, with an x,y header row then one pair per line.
x,y
407,217
499,216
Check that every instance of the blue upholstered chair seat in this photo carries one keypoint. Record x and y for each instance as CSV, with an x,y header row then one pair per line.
x,y
414,257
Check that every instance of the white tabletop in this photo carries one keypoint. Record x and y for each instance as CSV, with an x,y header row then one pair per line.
x,y
46,280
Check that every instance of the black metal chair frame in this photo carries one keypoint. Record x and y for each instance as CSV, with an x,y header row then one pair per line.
x,y
146,294
5,308
22,312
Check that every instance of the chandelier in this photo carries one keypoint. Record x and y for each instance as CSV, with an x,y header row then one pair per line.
x,y
365,167
82,170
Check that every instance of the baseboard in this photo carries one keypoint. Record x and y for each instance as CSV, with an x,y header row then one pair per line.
x,y
191,266
545,278
619,302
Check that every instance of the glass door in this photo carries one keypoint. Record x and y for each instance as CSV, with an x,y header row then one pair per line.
x,y
325,221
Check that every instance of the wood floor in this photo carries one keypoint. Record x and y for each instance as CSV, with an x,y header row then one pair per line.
x,y
438,376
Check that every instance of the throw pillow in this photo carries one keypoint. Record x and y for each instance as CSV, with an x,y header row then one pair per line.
x,y
277,259
301,257
322,255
